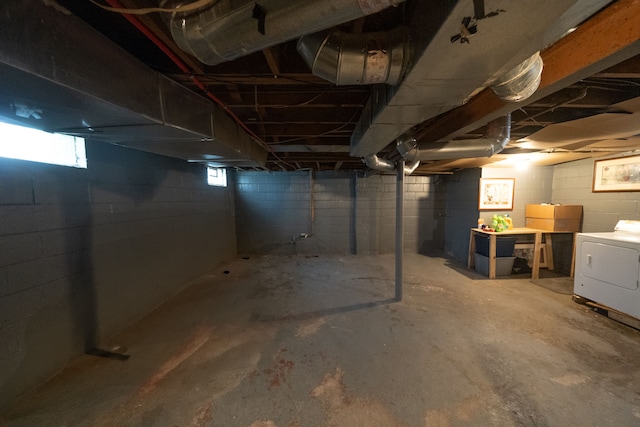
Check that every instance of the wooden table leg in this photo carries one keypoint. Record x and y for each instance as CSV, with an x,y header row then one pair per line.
x,y
535,270
492,256
548,243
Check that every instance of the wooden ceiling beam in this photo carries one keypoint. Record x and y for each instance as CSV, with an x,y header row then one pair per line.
x,y
608,38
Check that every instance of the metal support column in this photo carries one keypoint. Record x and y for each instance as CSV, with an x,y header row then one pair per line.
x,y
399,227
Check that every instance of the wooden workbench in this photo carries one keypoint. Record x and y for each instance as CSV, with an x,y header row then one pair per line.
x,y
523,231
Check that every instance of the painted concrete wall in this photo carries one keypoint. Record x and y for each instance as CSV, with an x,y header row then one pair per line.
x,y
462,211
601,211
532,186
84,253
335,212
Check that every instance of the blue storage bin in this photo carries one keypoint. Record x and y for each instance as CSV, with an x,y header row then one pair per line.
x,y
504,265
504,245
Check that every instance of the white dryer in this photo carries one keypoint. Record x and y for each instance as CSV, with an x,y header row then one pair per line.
x,y
608,267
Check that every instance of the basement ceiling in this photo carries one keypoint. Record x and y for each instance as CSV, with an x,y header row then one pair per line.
x,y
585,106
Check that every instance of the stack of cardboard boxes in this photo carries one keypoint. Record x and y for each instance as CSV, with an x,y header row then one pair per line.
x,y
554,217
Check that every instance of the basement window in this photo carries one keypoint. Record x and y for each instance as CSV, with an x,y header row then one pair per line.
x,y
22,143
216,176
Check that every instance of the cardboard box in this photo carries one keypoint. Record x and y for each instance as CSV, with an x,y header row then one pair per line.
x,y
554,217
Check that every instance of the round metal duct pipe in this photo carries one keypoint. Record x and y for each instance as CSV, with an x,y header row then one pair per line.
x,y
385,165
228,29
357,59
376,163
496,138
520,82
410,168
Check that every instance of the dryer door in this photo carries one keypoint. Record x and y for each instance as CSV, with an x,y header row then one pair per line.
x,y
614,265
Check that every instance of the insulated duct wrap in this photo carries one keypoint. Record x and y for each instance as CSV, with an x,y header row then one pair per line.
x,y
357,59
230,29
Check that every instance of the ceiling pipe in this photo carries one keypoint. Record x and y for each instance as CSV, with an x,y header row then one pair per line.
x,y
228,30
357,59
496,138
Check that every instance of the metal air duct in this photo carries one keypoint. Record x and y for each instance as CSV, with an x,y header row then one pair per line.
x,y
357,59
228,30
385,165
497,137
520,82
410,168
376,163
112,98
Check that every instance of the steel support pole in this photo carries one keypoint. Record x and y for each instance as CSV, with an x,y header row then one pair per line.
x,y
399,227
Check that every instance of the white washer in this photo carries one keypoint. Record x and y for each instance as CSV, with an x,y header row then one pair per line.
x,y
608,267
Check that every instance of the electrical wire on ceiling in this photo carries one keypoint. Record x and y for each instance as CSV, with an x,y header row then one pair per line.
x,y
241,80
183,67
618,82
147,10
302,104
347,123
518,125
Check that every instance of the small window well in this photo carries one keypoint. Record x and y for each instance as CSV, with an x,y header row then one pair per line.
x,y
216,176
18,142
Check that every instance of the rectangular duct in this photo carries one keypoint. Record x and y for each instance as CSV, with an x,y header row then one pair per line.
x,y
77,81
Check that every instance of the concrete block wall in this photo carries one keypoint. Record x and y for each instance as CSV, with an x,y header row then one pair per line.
x,y
341,212
84,253
272,210
532,186
572,183
461,211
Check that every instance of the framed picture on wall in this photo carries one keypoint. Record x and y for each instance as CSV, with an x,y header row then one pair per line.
x,y
496,194
617,174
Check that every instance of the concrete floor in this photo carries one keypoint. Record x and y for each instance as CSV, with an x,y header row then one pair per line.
x,y
319,341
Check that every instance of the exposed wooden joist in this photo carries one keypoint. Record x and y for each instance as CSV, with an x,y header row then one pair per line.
x,y
272,60
306,130
629,69
608,38
293,79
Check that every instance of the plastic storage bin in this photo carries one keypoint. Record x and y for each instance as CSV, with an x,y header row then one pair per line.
x,y
504,245
504,265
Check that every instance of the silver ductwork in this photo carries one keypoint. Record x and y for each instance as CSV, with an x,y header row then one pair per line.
x,y
385,165
496,138
410,168
230,29
113,98
357,59
520,82
443,75
379,164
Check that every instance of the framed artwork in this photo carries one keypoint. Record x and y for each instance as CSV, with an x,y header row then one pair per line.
x,y
617,174
496,194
